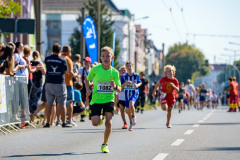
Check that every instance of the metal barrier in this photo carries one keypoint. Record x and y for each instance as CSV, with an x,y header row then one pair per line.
x,y
14,108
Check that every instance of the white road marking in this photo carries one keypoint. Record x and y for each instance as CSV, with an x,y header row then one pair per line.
x,y
160,156
177,142
189,132
196,125
200,121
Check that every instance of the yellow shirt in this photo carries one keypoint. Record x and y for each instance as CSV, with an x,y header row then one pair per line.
x,y
68,77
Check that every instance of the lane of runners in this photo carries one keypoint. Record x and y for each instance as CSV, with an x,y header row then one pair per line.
x,y
105,87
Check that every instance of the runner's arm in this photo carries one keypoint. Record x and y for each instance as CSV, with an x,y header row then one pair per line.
x,y
156,87
88,92
138,85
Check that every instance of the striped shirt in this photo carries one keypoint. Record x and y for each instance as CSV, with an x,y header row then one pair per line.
x,y
130,90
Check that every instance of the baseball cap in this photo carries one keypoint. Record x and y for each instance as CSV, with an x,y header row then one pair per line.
x,y
188,80
87,59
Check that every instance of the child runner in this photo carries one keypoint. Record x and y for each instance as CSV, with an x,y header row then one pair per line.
x,y
130,82
105,81
121,99
169,83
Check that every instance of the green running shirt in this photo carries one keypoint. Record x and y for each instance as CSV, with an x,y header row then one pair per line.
x,y
103,92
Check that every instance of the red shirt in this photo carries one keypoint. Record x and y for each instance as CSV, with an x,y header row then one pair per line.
x,y
166,86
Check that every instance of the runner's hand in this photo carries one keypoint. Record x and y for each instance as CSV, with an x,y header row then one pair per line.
x,y
172,85
128,82
112,83
153,94
135,85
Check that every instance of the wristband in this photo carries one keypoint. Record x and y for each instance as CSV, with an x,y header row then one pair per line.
x,y
116,88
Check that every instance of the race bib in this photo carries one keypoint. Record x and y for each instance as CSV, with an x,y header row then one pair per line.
x,y
163,95
129,87
104,87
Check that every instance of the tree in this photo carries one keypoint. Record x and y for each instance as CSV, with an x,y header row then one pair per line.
x,y
188,60
7,7
106,35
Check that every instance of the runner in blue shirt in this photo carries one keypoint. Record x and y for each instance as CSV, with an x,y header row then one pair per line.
x,y
130,82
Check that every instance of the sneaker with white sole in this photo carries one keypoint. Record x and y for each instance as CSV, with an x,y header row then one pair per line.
x,y
131,127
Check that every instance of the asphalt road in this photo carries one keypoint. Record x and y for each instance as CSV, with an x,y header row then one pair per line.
x,y
196,135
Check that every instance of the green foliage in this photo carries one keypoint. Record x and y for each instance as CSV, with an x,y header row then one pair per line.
x,y
187,59
106,35
228,72
7,7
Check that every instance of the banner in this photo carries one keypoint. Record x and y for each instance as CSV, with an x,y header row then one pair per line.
x,y
3,106
113,47
89,33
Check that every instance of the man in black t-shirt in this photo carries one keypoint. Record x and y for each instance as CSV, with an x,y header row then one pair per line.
x,y
143,90
55,86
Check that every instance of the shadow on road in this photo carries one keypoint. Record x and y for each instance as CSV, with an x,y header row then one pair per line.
x,y
102,130
232,123
222,149
50,155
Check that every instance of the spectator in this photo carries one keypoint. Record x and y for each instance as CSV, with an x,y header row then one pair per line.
x,y
36,89
55,84
78,105
66,52
6,60
84,71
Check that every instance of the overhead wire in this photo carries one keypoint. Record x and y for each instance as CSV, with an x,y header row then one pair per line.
x,y
173,19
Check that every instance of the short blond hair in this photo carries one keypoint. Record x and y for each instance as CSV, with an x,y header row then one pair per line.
x,y
122,68
172,67
129,62
26,50
108,49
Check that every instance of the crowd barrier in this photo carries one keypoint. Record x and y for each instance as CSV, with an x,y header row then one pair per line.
x,y
14,108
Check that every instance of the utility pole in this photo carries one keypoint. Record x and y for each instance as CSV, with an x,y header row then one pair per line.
x,y
98,26
129,39
38,11
163,60
82,42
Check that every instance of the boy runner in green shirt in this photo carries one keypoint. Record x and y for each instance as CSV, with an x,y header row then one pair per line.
x,y
105,81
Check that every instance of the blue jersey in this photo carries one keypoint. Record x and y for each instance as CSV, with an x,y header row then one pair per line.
x,y
130,90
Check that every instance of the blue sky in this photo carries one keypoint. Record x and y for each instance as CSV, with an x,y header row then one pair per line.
x,y
210,17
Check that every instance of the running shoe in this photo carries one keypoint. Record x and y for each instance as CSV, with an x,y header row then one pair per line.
x,y
125,126
104,148
71,123
102,119
47,125
130,128
66,125
134,120
58,123
168,125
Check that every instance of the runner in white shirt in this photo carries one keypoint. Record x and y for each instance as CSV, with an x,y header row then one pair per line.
x,y
190,89
214,100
